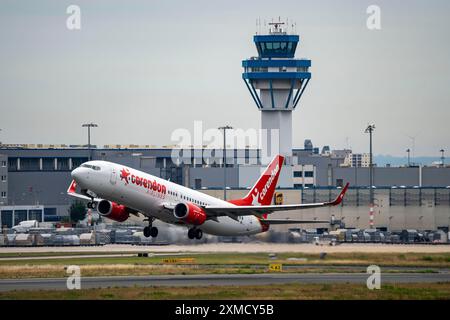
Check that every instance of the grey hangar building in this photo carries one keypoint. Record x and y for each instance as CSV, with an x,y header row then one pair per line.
x,y
34,180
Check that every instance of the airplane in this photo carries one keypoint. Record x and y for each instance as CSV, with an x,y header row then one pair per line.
x,y
118,191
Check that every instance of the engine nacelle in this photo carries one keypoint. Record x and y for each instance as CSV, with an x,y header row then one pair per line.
x,y
189,213
113,211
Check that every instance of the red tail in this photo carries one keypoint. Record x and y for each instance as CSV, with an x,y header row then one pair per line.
x,y
263,190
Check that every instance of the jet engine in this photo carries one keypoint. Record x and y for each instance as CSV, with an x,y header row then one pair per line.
x,y
113,211
189,213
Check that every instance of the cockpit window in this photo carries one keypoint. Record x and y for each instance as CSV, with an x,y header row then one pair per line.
x,y
85,165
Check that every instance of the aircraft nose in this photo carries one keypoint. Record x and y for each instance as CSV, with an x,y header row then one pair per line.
x,y
76,174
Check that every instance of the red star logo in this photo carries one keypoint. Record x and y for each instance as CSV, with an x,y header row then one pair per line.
x,y
124,173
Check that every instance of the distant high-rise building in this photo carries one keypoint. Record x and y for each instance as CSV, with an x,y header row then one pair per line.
x,y
340,154
357,160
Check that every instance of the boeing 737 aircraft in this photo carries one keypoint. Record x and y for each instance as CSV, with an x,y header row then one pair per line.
x,y
118,191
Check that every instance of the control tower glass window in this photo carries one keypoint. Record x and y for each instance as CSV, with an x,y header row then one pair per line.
x,y
268,48
289,47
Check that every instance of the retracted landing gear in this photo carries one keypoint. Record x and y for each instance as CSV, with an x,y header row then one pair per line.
x,y
150,231
195,233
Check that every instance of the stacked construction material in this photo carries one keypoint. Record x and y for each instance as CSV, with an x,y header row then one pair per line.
x,y
103,236
87,239
44,239
124,236
3,240
24,240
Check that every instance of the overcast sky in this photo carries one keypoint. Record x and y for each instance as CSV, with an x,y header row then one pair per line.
x,y
141,69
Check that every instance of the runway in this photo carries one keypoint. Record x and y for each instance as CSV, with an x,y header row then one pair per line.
x,y
218,280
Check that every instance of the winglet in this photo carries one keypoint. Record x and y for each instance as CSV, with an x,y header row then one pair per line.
x,y
340,197
72,187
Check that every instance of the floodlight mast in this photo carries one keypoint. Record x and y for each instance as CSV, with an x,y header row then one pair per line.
x,y
225,128
370,128
89,126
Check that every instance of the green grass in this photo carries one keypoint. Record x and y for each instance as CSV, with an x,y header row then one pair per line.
x,y
385,259
392,259
220,263
286,291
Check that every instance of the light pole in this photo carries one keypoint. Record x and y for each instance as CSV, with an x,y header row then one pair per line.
x,y
89,126
370,128
442,156
413,142
224,129
408,151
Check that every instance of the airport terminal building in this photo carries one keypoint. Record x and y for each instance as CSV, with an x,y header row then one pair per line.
x,y
34,179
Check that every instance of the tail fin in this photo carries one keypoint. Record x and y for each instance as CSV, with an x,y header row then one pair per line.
x,y
262,192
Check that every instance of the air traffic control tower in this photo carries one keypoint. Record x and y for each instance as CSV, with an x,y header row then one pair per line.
x,y
281,81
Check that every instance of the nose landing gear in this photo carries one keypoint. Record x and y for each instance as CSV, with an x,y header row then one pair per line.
x,y
91,204
195,233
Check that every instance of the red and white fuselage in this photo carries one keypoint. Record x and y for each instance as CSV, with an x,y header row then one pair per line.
x,y
148,194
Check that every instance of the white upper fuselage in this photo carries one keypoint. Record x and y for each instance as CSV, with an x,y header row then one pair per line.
x,y
148,194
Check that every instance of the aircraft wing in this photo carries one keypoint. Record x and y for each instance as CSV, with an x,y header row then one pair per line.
x,y
234,211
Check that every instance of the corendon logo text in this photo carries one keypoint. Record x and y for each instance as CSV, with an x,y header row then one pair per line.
x,y
153,186
269,182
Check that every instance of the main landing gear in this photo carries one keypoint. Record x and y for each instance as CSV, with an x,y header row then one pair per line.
x,y
150,231
195,233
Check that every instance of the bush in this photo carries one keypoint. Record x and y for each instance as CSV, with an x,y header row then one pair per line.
x,y
77,211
